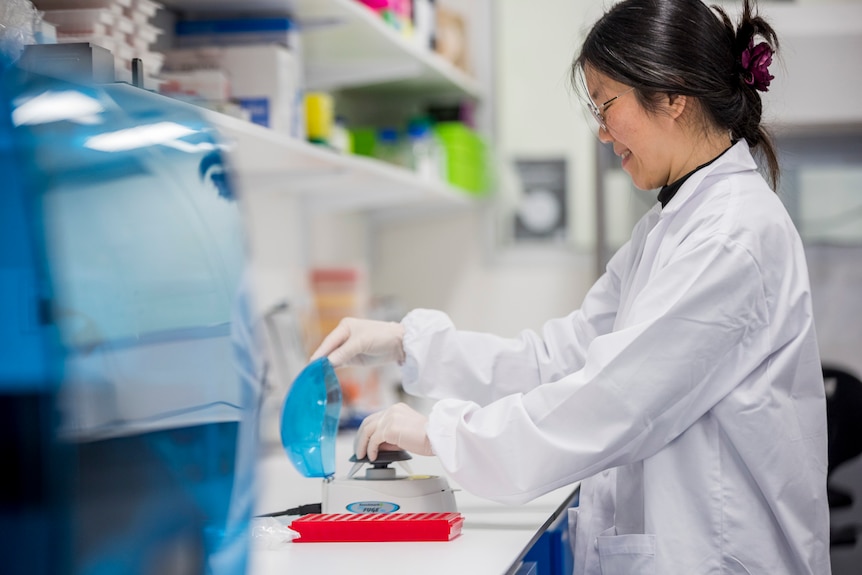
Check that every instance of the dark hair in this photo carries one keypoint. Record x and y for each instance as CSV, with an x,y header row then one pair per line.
x,y
685,47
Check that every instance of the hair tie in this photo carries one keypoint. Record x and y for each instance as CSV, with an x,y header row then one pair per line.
x,y
755,61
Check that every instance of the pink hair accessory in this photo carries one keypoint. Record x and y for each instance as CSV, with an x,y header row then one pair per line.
x,y
755,61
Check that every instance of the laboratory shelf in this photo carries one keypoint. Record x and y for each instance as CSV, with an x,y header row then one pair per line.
x,y
269,162
266,161
347,46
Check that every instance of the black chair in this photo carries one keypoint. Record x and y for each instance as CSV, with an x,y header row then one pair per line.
x,y
844,421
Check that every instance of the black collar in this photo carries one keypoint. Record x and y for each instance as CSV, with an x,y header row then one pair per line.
x,y
669,191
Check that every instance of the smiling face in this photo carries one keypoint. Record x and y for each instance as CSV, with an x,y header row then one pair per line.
x,y
648,143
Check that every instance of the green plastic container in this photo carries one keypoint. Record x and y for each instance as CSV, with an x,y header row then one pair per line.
x,y
465,157
364,141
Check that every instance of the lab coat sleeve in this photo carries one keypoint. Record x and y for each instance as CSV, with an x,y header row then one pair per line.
x,y
442,362
694,331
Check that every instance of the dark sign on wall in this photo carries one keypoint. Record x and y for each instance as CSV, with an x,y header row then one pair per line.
x,y
541,213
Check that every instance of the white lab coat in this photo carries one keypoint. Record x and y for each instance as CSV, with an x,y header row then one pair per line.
x,y
685,394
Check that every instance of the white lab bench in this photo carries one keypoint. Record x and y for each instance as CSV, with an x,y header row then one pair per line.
x,y
493,541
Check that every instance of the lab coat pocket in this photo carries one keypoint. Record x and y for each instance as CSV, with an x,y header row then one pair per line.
x,y
627,554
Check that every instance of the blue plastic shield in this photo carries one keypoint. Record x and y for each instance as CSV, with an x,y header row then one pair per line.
x,y
309,419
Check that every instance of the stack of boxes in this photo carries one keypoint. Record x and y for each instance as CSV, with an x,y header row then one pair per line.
x,y
341,292
255,63
122,27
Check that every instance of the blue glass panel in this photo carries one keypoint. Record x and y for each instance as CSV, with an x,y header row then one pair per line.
x,y
34,496
144,256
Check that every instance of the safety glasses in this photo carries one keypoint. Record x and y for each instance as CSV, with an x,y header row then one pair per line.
x,y
596,115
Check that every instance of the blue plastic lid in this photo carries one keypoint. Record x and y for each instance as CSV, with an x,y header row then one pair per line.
x,y
233,26
309,419
418,128
387,135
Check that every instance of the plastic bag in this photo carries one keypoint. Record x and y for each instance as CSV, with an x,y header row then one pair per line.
x,y
19,20
270,533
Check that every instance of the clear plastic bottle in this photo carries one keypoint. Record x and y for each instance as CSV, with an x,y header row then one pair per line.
x,y
340,138
424,23
426,155
390,147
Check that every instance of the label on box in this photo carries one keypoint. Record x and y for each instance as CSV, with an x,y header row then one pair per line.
x,y
266,80
258,109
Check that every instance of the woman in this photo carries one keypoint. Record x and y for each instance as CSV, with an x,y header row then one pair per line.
x,y
686,394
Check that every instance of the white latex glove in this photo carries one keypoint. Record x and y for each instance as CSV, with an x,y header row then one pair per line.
x,y
399,427
363,342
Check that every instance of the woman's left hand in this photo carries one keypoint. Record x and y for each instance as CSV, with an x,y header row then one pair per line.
x,y
398,427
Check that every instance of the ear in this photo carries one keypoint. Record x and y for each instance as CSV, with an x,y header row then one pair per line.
x,y
675,105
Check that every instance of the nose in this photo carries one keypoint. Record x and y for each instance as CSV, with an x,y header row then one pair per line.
x,y
604,135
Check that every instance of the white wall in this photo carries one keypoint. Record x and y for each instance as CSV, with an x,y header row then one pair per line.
x,y
538,113
440,263
817,80
456,262
453,262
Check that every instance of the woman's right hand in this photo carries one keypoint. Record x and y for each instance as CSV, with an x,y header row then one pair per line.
x,y
362,342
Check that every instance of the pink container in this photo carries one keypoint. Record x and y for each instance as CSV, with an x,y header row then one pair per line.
x,y
376,5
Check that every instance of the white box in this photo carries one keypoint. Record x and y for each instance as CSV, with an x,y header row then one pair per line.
x,y
75,4
80,21
211,85
146,7
265,79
